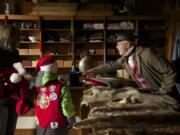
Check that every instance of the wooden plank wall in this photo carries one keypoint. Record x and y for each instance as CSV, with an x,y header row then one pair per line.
x,y
33,132
142,7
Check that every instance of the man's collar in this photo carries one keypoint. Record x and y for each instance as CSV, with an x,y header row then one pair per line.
x,y
129,52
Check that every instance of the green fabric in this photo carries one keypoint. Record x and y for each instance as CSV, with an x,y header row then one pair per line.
x,y
48,76
66,103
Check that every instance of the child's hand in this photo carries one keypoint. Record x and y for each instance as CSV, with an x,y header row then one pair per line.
x,y
15,78
28,77
71,121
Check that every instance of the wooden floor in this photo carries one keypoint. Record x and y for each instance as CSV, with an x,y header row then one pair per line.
x,y
33,132
25,132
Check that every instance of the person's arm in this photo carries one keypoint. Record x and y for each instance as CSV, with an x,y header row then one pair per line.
x,y
67,106
66,102
165,68
106,68
16,60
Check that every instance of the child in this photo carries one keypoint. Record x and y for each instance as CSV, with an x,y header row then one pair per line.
x,y
53,105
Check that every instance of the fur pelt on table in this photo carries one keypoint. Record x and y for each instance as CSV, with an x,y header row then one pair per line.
x,y
125,95
129,108
148,131
118,109
143,120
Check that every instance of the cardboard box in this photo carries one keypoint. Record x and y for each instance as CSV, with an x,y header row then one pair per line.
x,y
60,63
27,63
122,73
34,63
68,63
23,51
99,52
34,52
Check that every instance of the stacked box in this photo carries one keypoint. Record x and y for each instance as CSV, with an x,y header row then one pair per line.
x,y
23,51
34,63
68,63
99,52
34,52
27,63
60,63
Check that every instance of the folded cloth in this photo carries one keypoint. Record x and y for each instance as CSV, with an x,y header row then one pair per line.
x,y
96,82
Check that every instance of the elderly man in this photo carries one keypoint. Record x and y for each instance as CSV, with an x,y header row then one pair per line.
x,y
150,70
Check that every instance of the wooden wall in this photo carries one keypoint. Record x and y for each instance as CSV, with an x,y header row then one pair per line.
x,y
142,7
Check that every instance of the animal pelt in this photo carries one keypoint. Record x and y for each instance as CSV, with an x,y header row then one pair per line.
x,y
143,120
130,108
95,94
132,102
149,131
125,95
110,132
117,109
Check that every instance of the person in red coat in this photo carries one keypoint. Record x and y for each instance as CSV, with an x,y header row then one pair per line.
x,y
13,88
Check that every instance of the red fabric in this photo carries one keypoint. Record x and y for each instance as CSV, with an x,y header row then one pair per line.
x,y
21,107
5,83
48,59
134,69
16,91
51,112
21,94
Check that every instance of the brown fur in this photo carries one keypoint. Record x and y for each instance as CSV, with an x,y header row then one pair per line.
x,y
9,36
149,131
139,110
124,95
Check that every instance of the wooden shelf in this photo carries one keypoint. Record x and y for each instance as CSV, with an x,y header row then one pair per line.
x,y
60,55
20,17
116,30
146,18
25,29
153,29
28,42
46,26
91,30
88,42
57,42
59,30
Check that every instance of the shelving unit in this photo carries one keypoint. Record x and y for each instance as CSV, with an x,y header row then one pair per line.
x,y
69,38
89,38
57,40
153,33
